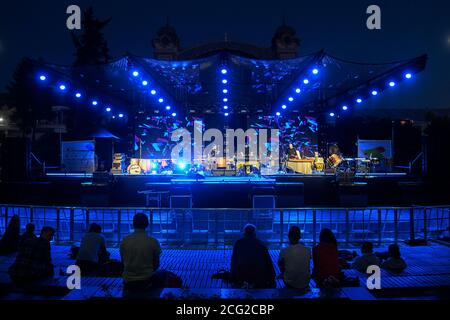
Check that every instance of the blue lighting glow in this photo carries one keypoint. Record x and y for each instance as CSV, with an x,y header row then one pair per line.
x,y
298,90
225,99
225,107
108,109
225,90
283,106
135,73
153,92
291,99
374,92
224,71
331,114
78,95
168,107
120,115
345,108
359,100
408,75
174,114
160,100
62,87
315,71
94,102
392,84
42,77
278,113
181,165
226,114
224,81
144,83
305,81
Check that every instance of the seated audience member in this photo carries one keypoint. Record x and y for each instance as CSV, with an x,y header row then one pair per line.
x,y
140,255
34,260
326,270
92,252
367,258
394,261
251,264
294,261
28,234
9,243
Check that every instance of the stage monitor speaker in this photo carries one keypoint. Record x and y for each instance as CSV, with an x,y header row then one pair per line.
x,y
15,159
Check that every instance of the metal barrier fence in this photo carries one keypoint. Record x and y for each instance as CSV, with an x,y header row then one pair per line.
x,y
217,227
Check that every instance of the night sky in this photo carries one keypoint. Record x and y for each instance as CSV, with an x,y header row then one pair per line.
x,y
409,28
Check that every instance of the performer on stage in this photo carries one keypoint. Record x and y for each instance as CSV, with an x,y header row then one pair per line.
x,y
293,153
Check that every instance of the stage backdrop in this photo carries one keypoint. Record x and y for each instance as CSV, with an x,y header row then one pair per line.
x,y
78,156
154,132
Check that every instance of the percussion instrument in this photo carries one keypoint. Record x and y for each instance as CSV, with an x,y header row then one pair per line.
x,y
300,165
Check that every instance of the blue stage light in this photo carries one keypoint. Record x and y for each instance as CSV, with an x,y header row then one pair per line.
x,y
283,106
160,100
345,108
224,71
153,92
225,107
225,99
78,95
305,81
331,114
108,109
42,77
181,165
359,100
226,114
408,75
174,114
94,102
135,73
62,87
168,107
278,113
225,91
291,99
144,83
224,81
374,92
113,117
392,84
120,115
315,71
298,90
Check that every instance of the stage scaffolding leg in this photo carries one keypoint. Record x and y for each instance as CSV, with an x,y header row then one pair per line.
x,y
347,226
412,235
395,225
379,227
151,222
119,223
58,220
425,224
31,214
281,227
71,224
314,227
87,219
6,217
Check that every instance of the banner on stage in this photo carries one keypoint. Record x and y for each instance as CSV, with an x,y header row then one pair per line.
x,y
380,149
78,156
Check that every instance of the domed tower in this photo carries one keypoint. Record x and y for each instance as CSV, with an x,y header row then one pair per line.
x,y
166,45
285,43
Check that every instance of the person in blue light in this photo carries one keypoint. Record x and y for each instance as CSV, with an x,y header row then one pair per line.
x,y
9,243
368,258
251,265
92,252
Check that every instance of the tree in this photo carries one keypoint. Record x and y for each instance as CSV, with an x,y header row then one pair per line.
x,y
91,47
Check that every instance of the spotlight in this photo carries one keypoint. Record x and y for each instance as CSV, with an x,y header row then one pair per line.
x,y
278,113
113,117
1,119
167,107
331,114
315,71
145,82
226,114
408,75
120,115
224,71
153,92
42,78
108,109
392,84
225,90
135,73
283,106
62,87
298,90
359,100
225,107
305,81
181,165
174,114
224,81
160,100
78,95
345,108
94,102
225,99
374,92
291,99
